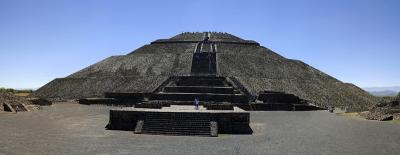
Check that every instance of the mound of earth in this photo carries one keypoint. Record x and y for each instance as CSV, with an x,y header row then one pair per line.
x,y
383,111
12,103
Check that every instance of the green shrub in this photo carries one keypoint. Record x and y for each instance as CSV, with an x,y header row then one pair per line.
x,y
10,90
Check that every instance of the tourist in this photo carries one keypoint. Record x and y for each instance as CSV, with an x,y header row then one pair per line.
x,y
331,109
196,104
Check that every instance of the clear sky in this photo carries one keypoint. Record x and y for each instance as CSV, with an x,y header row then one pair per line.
x,y
356,41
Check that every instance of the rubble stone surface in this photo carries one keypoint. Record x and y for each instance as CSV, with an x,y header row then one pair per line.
x,y
383,111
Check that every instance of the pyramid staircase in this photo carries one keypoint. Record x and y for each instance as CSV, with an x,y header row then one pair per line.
x,y
203,88
180,124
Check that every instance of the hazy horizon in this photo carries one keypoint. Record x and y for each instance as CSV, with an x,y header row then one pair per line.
x,y
355,41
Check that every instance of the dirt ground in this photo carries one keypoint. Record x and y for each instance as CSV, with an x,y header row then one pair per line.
x,y
69,128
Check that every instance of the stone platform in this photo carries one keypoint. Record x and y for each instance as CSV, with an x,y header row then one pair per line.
x,y
180,120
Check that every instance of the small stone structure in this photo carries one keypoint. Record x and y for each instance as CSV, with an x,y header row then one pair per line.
x,y
180,120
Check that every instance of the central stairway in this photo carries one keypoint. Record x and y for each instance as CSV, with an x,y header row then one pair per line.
x,y
203,88
183,124
203,84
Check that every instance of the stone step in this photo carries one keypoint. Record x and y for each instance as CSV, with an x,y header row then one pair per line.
x,y
178,133
153,128
199,89
201,81
182,132
183,125
204,62
194,116
234,98
148,121
187,120
191,121
191,116
177,123
181,116
158,128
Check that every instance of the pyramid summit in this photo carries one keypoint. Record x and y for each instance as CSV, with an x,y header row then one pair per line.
x,y
212,66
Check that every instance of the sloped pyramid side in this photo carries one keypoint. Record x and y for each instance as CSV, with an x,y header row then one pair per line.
x,y
140,71
260,69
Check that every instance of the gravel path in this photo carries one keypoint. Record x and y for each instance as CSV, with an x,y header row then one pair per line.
x,y
79,129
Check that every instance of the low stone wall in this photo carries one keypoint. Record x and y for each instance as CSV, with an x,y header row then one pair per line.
x,y
40,101
123,120
104,101
271,106
228,123
153,104
219,106
233,123
278,97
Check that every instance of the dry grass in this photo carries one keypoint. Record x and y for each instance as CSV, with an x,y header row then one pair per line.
x,y
352,115
22,94
396,121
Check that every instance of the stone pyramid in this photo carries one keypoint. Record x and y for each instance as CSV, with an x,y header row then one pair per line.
x,y
254,68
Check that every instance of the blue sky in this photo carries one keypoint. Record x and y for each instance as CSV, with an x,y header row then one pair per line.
x,y
356,41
